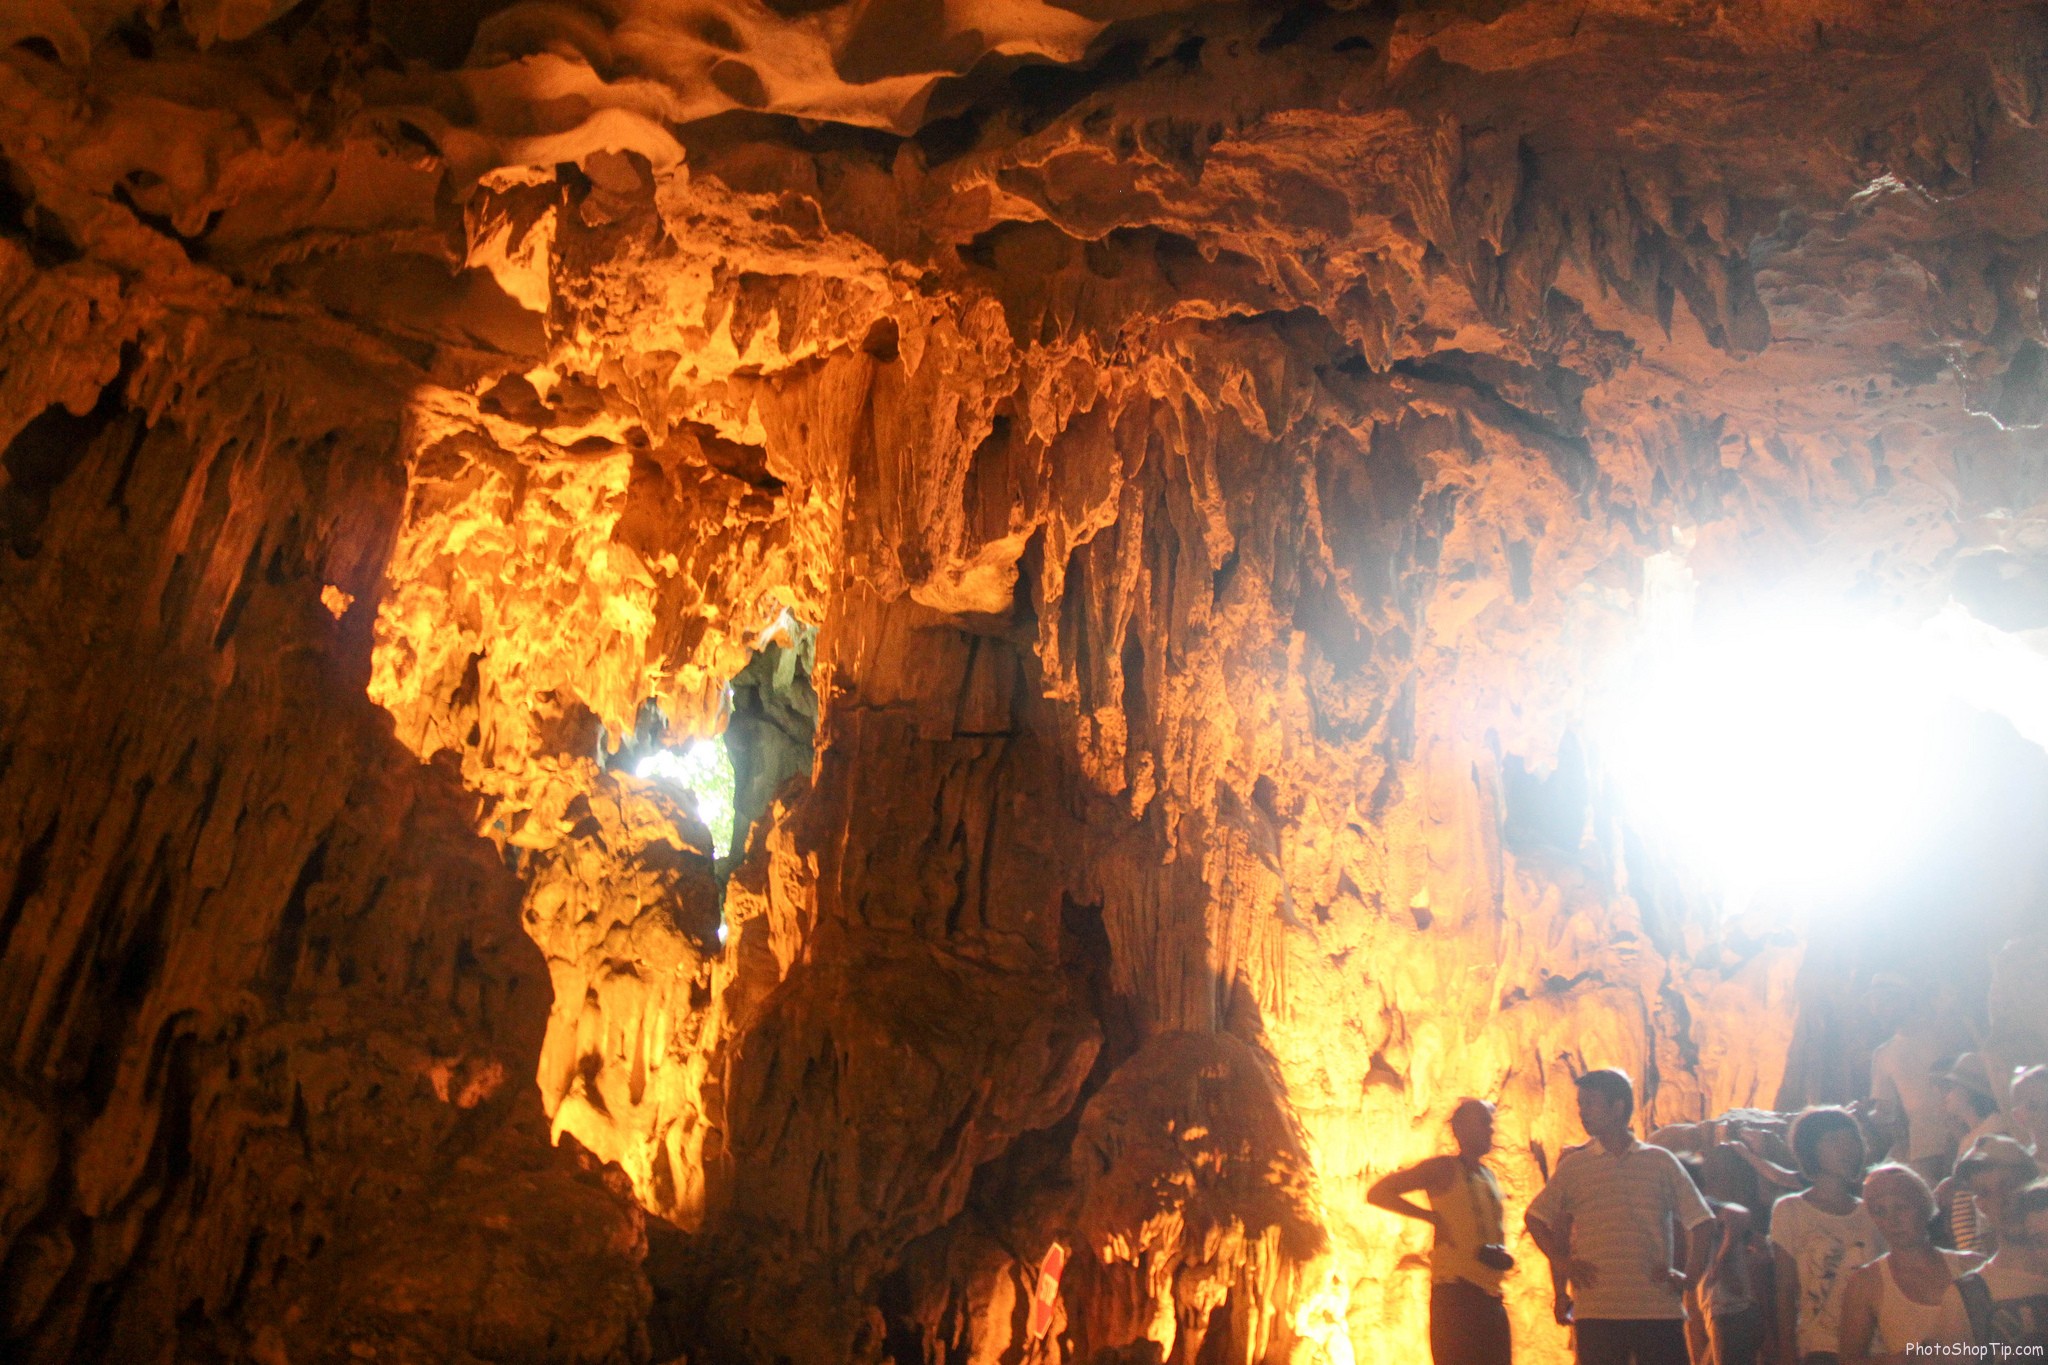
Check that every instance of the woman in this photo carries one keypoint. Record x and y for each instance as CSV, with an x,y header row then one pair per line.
x,y
1734,1293
1892,1304
1818,1236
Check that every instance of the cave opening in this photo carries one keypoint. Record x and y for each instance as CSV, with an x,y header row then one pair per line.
x,y
768,717
701,770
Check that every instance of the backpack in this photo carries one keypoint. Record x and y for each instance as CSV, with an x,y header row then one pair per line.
x,y
1984,1324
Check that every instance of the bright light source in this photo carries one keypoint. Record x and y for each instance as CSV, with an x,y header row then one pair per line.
x,y
1991,669
1796,752
701,772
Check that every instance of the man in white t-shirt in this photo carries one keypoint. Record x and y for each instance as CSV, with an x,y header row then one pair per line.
x,y
1615,1222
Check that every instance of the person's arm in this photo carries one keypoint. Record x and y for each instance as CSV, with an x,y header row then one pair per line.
x,y
1683,1137
1859,1318
1700,1231
1556,1248
1697,1341
1786,1272
1703,1241
1888,1112
1431,1175
1770,1172
1549,1221
1864,1111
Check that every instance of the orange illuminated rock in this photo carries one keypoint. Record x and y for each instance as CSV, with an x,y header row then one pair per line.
x,y
1218,453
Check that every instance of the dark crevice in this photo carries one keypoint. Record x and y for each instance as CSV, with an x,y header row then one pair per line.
x,y
244,585
1294,24
91,954
28,880
161,224
121,983
117,496
48,238
40,458
282,964
166,1169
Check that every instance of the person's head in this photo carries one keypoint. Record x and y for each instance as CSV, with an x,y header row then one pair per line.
x,y
1726,1177
1900,1204
2030,1105
1965,1086
1472,1127
1828,1143
1889,999
2026,1229
1607,1101
1994,1170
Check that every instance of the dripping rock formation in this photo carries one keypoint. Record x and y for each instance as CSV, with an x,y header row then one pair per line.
x,y
1142,488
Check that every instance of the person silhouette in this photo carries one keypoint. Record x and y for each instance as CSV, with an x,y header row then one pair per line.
x,y
1468,1323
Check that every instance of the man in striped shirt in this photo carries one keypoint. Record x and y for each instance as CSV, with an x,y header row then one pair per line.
x,y
1615,1222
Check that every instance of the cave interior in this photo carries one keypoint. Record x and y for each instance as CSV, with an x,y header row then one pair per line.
x,y
681,678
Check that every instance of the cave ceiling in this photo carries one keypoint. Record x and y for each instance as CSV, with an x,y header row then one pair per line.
x,y
1214,445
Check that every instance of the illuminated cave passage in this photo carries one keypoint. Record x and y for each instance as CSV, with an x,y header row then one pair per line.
x,y
1259,569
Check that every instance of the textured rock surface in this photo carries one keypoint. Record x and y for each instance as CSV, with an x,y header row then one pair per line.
x,y
1216,468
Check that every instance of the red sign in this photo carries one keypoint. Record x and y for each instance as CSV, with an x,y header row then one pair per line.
x,y
1048,1291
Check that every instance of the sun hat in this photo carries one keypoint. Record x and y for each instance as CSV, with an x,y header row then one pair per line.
x,y
1967,1072
1993,1151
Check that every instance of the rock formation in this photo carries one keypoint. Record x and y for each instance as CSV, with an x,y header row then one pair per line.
x,y
1217,450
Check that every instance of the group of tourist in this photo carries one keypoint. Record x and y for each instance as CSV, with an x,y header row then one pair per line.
x,y
1750,1242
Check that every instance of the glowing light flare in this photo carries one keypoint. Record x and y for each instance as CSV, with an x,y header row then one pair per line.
x,y
1796,752
701,772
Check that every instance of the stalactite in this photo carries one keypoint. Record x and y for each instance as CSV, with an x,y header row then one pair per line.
x,y
1215,450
